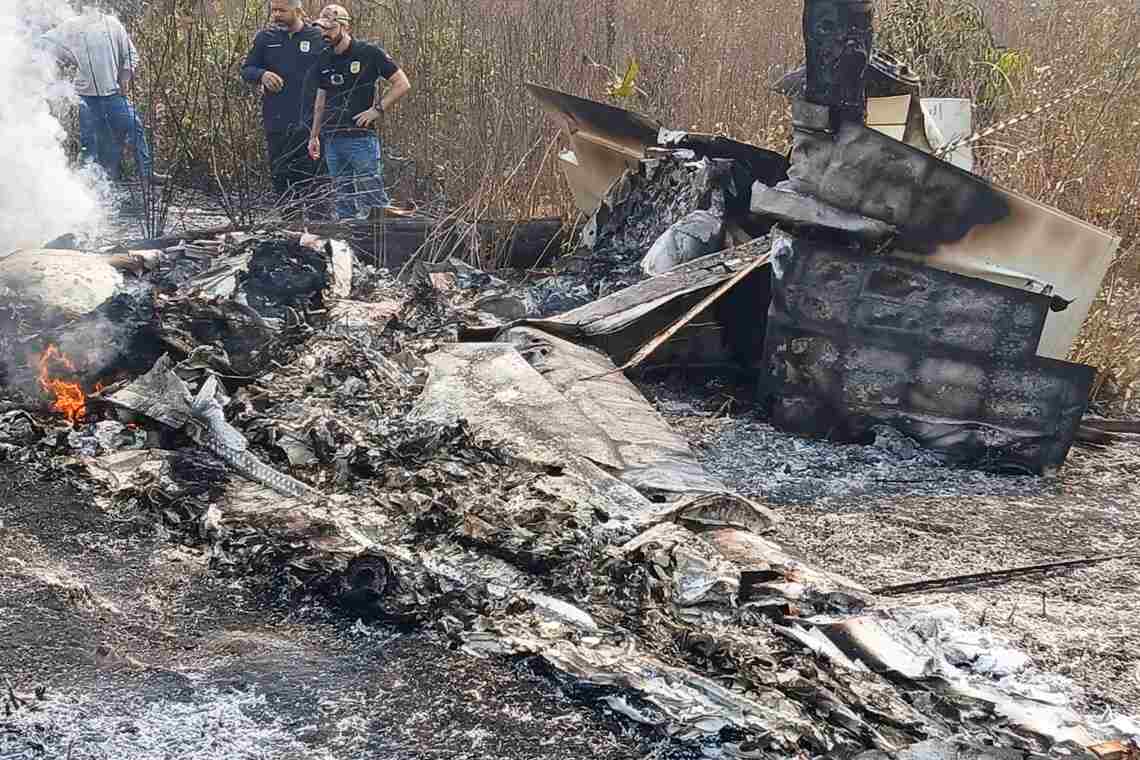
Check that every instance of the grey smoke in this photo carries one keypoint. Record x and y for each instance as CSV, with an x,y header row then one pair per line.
x,y
41,196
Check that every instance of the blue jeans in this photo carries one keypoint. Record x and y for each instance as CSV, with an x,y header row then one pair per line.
x,y
106,123
357,171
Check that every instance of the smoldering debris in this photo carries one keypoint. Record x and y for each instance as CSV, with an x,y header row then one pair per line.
x,y
520,496
458,449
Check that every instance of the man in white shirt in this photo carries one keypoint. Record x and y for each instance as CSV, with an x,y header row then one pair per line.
x,y
106,60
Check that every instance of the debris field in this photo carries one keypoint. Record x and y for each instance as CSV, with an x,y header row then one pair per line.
x,y
263,461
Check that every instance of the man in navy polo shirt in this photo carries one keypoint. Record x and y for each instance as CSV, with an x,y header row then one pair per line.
x,y
348,106
282,62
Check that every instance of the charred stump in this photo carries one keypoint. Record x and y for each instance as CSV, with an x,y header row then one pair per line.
x,y
838,38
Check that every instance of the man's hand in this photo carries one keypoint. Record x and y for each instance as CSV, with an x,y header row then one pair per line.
x,y
366,119
315,147
272,82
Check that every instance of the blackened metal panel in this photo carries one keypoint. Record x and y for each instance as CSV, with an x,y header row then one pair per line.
x,y
905,304
860,170
609,124
854,342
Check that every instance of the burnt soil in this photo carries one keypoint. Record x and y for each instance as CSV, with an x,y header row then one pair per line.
x,y
120,643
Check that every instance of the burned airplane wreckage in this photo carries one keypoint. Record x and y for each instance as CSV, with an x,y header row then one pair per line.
x,y
899,289
450,449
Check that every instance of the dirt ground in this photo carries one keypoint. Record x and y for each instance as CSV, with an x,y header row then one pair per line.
x,y
890,513
144,653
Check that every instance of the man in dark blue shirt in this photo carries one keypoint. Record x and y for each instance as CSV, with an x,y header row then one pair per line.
x,y
282,64
348,107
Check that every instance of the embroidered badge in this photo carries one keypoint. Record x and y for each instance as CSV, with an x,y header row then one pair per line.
x,y
355,67
304,46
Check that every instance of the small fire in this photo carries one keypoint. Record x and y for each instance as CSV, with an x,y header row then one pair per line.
x,y
70,400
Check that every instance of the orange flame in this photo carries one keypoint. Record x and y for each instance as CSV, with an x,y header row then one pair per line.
x,y
70,400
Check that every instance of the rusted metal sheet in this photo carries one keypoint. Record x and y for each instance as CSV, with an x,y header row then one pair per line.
x,y
856,341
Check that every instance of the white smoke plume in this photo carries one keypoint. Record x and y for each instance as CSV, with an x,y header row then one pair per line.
x,y
41,197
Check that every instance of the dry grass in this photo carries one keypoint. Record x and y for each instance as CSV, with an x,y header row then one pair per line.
x,y
469,136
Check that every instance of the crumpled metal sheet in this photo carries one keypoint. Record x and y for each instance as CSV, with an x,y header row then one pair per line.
x,y
644,203
221,279
350,548
948,360
690,707
245,339
696,571
162,396
491,386
772,575
159,395
603,123
651,456
721,511
561,411
607,141
753,163
210,429
936,749
361,321
909,643
622,322
845,708
140,471
865,638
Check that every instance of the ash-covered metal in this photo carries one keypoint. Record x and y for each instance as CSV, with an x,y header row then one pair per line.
x,y
856,341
